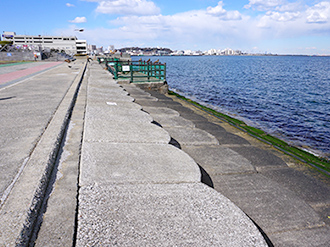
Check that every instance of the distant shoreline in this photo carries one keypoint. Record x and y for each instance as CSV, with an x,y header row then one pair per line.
x,y
242,55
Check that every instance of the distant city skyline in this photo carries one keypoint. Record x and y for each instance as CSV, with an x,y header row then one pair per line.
x,y
252,26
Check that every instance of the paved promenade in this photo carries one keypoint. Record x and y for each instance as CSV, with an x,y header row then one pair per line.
x,y
29,136
9,74
136,168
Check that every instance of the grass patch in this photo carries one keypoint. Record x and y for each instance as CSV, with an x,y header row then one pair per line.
x,y
321,164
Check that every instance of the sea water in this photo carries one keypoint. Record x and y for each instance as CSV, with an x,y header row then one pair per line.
x,y
286,96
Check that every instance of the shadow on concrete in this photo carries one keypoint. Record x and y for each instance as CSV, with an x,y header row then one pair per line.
x,y
264,235
7,98
175,143
205,178
158,124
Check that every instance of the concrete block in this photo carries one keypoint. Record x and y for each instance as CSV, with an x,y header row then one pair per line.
x,y
173,121
110,98
114,113
107,92
120,132
192,136
273,207
105,163
161,111
308,188
221,134
161,215
219,160
137,92
156,104
259,157
143,97
303,238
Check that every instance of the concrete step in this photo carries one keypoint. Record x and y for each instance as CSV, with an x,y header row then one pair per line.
x,y
137,189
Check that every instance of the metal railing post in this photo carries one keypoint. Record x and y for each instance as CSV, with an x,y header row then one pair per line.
x,y
116,70
131,70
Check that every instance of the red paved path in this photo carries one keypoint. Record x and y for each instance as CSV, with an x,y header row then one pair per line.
x,y
21,73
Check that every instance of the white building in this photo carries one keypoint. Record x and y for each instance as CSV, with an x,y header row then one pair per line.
x,y
81,47
211,52
68,44
188,52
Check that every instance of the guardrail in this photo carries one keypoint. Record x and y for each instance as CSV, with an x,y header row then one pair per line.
x,y
135,71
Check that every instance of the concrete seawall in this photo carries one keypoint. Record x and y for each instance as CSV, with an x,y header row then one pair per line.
x,y
136,168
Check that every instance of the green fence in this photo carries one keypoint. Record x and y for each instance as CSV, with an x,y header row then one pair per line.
x,y
135,71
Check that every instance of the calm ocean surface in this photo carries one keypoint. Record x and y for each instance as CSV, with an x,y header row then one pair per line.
x,y
286,96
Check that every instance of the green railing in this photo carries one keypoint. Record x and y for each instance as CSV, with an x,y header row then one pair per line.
x,y
135,71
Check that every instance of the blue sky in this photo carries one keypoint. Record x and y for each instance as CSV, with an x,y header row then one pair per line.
x,y
276,26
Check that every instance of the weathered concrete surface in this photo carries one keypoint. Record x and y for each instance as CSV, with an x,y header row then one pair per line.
x,y
137,189
113,112
24,115
58,222
20,209
98,130
105,163
161,215
18,56
219,160
260,196
170,121
156,111
288,200
191,136
306,237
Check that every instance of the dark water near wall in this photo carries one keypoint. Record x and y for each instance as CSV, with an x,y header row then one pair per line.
x,y
286,96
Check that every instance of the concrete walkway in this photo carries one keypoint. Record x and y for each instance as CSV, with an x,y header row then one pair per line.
x,y
9,74
34,112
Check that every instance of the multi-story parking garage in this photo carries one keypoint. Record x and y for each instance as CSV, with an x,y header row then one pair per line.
x,y
68,44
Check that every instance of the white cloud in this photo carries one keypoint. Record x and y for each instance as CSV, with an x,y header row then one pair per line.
x,y
69,5
127,7
213,27
286,16
223,14
79,20
290,7
218,10
263,5
320,13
